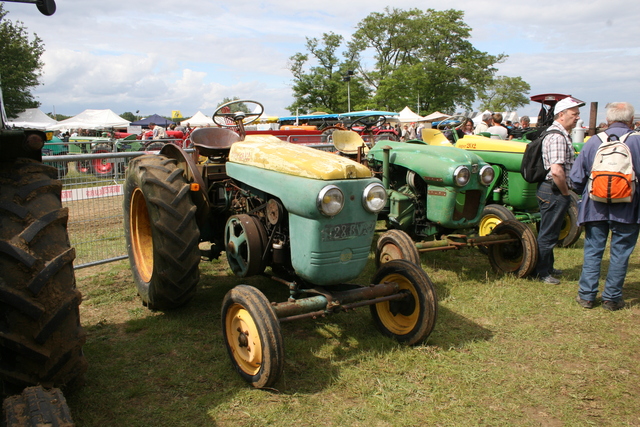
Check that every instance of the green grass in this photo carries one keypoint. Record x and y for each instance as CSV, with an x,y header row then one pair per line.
x,y
504,352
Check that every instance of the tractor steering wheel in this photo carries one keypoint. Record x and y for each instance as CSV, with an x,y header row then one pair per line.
x,y
369,122
223,116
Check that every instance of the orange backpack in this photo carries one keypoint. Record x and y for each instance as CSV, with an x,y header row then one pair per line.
x,y
612,178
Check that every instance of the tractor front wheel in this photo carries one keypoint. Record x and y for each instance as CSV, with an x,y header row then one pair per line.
x,y
252,336
493,215
396,244
410,320
519,257
161,232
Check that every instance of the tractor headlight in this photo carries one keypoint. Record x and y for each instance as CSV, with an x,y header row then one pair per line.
x,y
374,197
462,175
330,200
486,175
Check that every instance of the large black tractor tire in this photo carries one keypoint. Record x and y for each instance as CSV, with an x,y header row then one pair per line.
x,y
571,231
161,232
40,334
37,407
396,244
252,336
105,168
519,257
411,320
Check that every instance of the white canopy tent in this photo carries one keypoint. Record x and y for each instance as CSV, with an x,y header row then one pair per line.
x,y
198,119
94,119
33,118
436,116
408,116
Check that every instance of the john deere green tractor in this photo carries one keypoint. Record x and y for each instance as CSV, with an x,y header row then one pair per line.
x,y
437,194
510,196
305,215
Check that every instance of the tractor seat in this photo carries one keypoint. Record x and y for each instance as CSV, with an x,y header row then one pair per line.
x,y
435,137
214,141
348,142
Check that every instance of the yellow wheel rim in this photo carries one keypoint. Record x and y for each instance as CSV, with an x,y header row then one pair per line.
x,y
488,223
141,236
399,324
243,339
566,227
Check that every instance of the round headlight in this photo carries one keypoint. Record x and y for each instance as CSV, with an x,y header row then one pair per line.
x,y
462,175
374,197
486,175
330,200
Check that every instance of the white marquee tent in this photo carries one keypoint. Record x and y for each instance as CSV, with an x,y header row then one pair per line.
x,y
198,119
93,119
408,116
33,118
436,116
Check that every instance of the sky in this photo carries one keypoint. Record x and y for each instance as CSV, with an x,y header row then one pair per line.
x,y
162,55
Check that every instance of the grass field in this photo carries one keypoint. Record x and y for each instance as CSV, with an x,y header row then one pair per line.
x,y
505,352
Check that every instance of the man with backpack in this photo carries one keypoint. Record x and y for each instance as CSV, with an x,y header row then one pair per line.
x,y
614,213
553,193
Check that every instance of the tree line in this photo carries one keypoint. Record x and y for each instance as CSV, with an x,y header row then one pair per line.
x,y
422,59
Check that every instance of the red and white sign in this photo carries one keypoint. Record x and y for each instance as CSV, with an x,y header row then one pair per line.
x,y
92,192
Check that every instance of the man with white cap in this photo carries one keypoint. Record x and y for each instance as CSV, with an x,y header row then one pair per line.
x,y
554,196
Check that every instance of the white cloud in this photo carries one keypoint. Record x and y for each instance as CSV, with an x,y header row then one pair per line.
x,y
164,55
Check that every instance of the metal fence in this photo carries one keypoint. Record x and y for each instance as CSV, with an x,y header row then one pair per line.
x,y
92,189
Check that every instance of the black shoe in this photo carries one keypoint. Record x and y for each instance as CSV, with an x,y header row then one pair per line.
x,y
550,280
613,305
583,302
555,272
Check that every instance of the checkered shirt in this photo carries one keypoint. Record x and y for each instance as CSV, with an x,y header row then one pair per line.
x,y
557,149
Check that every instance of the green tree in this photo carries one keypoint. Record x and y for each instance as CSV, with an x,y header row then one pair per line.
x,y
422,58
322,87
128,115
20,65
240,106
504,94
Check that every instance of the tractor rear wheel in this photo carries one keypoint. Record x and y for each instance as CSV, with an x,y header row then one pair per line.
x,y
252,336
519,257
161,232
571,231
396,244
411,320
102,167
40,334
